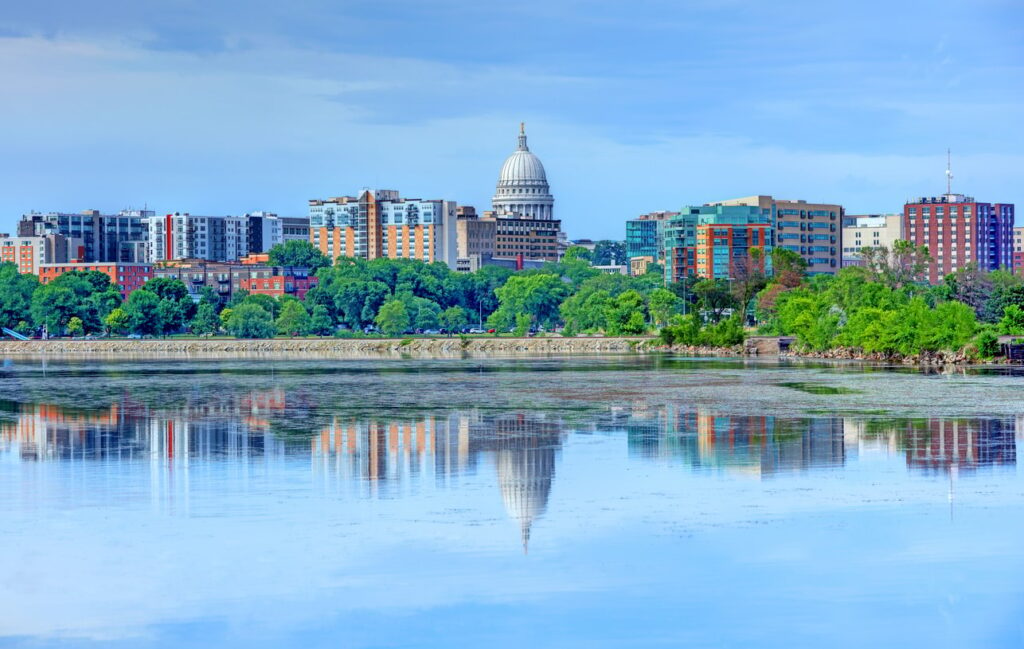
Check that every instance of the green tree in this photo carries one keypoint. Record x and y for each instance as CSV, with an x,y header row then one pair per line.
x,y
573,253
205,322
663,304
586,311
523,322
608,252
75,326
265,302
453,318
320,324
714,297
53,305
249,320
1012,323
167,288
428,315
172,316
16,292
298,253
538,295
294,319
626,315
142,309
393,318
117,321
900,266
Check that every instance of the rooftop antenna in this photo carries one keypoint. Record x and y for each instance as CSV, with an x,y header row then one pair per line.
x,y
949,174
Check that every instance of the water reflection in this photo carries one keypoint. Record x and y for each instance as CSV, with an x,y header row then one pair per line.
x,y
521,447
380,456
765,445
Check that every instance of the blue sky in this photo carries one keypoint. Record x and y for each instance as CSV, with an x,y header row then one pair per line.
x,y
230,107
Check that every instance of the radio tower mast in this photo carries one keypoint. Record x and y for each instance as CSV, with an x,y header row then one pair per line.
x,y
949,175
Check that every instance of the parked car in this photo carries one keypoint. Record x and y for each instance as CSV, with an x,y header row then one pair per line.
x,y
491,331
476,330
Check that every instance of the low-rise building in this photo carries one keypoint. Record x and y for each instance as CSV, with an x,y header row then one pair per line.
x,y
278,281
127,277
869,231
226,279
639,265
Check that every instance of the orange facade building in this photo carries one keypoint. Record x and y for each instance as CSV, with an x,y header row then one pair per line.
x,y
380,224
723,247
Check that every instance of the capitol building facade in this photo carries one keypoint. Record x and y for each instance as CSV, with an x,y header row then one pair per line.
x,y
523,189
521,230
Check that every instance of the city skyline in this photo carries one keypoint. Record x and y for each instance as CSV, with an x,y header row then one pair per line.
x,y
222,111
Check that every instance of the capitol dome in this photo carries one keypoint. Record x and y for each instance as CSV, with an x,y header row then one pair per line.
x,y
523,189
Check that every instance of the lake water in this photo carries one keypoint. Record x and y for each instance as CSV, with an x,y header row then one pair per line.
x,y
586,502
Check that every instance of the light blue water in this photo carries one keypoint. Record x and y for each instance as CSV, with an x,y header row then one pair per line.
x,y
553,503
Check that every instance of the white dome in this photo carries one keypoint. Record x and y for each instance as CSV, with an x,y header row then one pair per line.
x,y
522,167
523,188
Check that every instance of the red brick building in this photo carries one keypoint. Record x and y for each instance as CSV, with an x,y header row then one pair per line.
x,y
958,230
278,280
127,277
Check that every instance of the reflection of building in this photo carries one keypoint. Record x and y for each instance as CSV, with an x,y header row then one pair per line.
x,y
755,444
126,430
940,444
381,454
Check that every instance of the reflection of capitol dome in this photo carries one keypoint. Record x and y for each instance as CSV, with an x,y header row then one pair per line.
x,y
525,467
523,187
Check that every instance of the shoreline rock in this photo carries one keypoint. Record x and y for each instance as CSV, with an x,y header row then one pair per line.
x,y
330,347
426,348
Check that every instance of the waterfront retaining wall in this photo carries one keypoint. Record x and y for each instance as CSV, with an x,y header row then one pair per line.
x,y
330,347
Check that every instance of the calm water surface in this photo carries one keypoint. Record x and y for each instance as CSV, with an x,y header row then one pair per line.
x,y
595,502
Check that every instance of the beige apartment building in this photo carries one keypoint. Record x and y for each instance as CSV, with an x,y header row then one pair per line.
x,y
812,230
869,231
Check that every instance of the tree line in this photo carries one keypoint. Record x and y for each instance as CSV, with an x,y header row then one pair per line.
x,y
353,296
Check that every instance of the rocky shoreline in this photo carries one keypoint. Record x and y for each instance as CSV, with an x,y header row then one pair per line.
x,y
330,347
423,348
